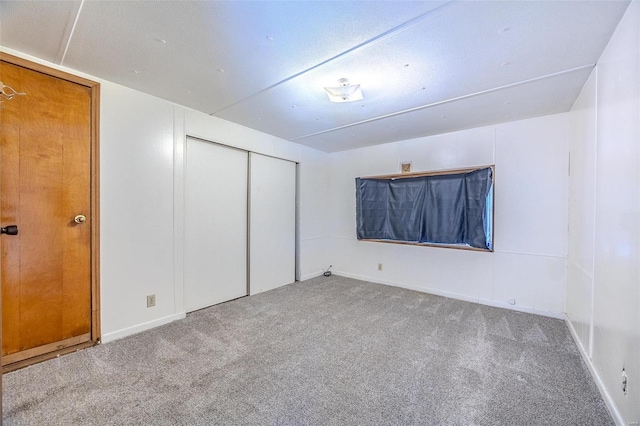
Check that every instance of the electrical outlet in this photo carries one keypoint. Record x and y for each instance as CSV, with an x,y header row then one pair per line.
x,y
379,266
151,300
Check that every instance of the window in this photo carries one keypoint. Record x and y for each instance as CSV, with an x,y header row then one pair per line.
x,y
450,208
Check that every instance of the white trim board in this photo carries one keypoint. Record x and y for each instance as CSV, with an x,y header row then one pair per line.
x,y
487,302
312,275
115,335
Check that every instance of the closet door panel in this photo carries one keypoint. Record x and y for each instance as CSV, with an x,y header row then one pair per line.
x,y
272,239
215,224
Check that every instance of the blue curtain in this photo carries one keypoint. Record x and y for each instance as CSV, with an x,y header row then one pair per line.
x,y
444,209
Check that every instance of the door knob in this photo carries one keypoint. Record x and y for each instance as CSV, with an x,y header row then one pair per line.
x,y
80,218
9,230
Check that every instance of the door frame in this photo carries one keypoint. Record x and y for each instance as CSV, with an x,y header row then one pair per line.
x,y
94,92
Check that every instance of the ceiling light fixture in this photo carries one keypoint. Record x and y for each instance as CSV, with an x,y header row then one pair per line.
x,y
344,92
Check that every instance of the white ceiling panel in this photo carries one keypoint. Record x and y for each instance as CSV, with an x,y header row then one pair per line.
x,y
263,64
545,96
434,61
222,51
40,29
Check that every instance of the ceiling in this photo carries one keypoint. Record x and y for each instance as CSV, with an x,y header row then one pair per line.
x,y
425,67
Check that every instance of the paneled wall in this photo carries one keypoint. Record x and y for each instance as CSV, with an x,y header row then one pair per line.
x,y
314,194
136,209
603,286
582,212
531,179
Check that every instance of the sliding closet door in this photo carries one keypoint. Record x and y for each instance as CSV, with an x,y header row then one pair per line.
x,y
272,240
215,264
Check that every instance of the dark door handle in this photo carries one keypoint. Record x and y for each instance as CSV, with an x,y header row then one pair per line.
x,y
9,230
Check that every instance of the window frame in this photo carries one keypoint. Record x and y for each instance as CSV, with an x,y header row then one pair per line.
x,y
441,173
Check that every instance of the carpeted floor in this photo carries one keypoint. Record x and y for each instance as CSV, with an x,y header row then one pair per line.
x,y
328,351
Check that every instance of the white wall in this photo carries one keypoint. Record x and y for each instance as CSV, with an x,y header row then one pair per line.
x,y
582,212
162,165
136,209
603,287
314,212
142,143
528,264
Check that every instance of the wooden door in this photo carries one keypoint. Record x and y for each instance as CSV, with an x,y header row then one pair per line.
x,y
46,190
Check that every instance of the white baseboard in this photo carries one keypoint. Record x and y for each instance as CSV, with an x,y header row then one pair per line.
x,y
312,275
526,309
436,292
115,335
615,413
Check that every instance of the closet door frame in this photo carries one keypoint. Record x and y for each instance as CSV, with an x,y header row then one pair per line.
x,y
180,146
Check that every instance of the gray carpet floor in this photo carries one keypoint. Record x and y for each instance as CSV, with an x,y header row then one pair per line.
x,y
328,351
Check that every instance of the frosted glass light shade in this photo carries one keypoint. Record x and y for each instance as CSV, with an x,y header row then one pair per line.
x,y
345,92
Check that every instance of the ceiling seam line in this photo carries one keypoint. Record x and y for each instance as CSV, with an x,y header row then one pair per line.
x,y
445,101
73,29
393,31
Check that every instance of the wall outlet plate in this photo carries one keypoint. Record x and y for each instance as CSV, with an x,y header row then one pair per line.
x,y
405,167
151,300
